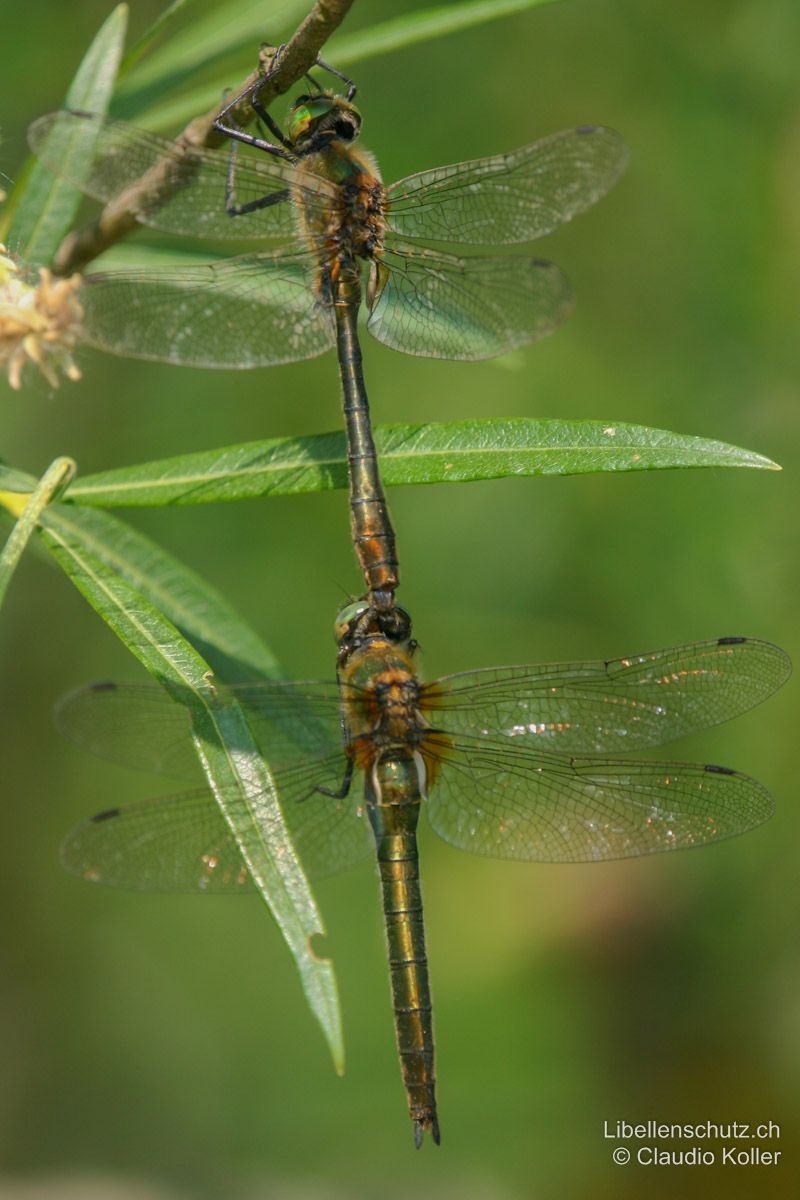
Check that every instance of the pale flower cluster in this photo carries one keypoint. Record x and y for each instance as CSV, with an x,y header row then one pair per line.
x,y
39,323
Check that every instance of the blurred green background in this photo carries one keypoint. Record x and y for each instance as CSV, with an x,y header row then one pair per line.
x,y
153,1046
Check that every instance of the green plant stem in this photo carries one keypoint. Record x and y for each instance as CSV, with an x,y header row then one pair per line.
x,y
28,508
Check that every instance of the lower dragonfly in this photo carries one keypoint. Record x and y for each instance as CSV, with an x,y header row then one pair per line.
x,y
323,196
505,761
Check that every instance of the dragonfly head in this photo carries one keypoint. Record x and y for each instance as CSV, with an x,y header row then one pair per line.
x,y
323,117
362,622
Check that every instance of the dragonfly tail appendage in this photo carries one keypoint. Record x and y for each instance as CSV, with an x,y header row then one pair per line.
x,y
394,826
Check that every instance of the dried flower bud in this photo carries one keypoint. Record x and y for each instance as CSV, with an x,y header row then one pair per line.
x,y
39,323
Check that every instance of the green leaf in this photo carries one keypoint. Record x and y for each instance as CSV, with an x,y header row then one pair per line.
x,y
28,508
193,605
422,26
457,452
144,98
12,480
140,48
235,770
43,205
199,610
217,37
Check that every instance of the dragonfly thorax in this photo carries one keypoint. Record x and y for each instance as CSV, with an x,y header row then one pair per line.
x,y
351,226
381,691
351,229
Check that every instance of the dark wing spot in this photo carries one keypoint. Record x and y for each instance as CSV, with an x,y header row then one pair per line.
x,y
587,128
105,685
106,816
731,641
718,770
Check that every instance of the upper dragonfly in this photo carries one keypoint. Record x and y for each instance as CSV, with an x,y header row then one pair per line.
x,y
324,198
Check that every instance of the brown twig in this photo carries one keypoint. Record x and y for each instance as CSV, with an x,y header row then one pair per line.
x,y
119,216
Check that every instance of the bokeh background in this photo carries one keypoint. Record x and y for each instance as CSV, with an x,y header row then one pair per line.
x,y
155,1046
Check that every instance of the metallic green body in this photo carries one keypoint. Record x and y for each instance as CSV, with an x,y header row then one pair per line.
x,y
385,733
373,534
393,799
352,233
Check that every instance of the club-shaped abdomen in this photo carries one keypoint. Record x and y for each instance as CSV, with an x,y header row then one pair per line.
x,y
393,795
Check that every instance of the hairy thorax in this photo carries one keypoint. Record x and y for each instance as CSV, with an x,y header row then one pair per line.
x,y
381,699
351,227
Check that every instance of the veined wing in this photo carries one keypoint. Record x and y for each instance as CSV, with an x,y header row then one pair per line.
x,y
510,801
440,306
609,707
142,726
186,185
172,844
182,842
256,310
512,197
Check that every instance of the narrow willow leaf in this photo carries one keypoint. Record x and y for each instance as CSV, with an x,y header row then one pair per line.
x,y
28,508
343,50
198,610
234,768
140,48
422,26
12,480
44,206
216,37
456,452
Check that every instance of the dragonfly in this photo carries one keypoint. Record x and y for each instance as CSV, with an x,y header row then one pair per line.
x,y
344,236
508,762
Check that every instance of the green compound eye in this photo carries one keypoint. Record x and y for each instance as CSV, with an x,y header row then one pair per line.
x,y
320,105
310,108
347,616
301,119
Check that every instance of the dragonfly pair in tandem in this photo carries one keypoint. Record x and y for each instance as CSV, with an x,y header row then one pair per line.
x,y
506,761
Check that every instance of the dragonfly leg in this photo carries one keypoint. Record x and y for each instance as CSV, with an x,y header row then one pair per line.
x,y
222,125
239,135
351,87
238,210
271,124
258,108
343,788
269,68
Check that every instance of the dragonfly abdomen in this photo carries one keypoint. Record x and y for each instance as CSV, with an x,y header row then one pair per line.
x,y
373,534
393,801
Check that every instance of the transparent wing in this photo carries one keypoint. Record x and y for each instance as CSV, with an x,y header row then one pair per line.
x,y
441,306
172,844
508,801
510,197
141,726
609,707
185,186
253,311
183,843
